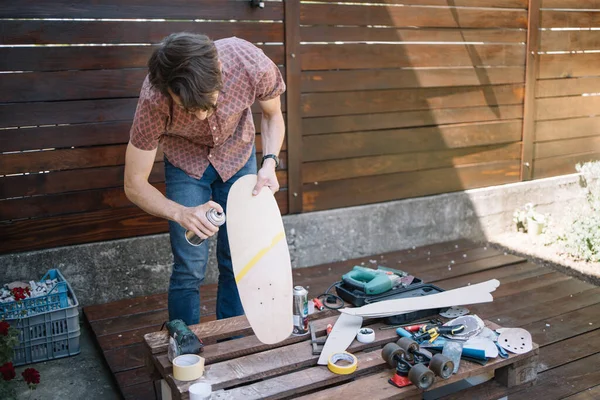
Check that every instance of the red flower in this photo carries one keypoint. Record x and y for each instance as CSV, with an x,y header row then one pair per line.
x,y
20,293
8,371
31,376
4,328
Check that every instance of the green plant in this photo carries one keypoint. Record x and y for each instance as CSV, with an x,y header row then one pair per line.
x,y
9,338
581,237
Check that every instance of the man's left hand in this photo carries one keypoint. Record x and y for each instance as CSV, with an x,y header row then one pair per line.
x,y
267,177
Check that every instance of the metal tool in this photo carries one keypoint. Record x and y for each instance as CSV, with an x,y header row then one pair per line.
x,y
432,332
182,340
216,218
435,321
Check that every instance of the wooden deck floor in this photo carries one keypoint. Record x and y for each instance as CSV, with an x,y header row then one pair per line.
x,y
562,314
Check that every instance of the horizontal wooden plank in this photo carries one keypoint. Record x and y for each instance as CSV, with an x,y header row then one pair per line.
x,y
66,112
77,112
571,4
364,56
14,32
551,384
567,107
389,164
567,87
176,9
434,17
74,158
557,148
380,101
587,394
64,136
69,181
88,227
77,135
399,141
361,122
369,79
566,128
454,3
555,166
569,40
569,19
367,190
77,202
51,160
79,228
568,65
63,58
322,33
74,85
80,179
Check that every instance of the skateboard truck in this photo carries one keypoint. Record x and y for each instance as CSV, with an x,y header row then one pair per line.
x,y
414,366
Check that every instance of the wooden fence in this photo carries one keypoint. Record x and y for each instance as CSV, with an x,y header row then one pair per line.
x,y
386,100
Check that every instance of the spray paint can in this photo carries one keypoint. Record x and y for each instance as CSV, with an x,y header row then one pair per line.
x,y
216,218
300,310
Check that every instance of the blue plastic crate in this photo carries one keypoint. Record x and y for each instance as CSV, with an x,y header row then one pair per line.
x,y
56,299
53,330
47,336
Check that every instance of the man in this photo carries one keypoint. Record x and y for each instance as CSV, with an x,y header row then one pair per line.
x,y
196,102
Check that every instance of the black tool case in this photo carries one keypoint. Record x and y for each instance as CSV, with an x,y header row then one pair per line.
x,y
417,288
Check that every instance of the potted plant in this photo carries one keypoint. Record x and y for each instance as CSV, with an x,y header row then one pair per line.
x,y
527,219
535,223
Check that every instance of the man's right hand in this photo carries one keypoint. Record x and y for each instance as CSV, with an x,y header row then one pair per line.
x,y
194,219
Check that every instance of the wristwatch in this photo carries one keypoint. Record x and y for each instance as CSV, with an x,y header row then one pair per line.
x,y
273,156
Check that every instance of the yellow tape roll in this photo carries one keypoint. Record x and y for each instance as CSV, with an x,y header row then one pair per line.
x,y
342,369
188,367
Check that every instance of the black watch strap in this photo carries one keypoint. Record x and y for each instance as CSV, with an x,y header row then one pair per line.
x,y
273,156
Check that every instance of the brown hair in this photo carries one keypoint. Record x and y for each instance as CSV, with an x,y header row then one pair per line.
x,y
188,64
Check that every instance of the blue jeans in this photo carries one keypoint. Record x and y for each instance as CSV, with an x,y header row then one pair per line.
x,y
190,262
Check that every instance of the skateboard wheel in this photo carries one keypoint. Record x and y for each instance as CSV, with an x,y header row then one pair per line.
x,y
421,376
442,366
389,352
409,346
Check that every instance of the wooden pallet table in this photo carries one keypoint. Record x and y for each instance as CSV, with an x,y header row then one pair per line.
x,y
244,368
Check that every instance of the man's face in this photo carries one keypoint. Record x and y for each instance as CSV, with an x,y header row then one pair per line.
x,y
199,113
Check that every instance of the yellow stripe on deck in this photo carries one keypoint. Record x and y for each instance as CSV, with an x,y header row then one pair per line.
x,y
258,256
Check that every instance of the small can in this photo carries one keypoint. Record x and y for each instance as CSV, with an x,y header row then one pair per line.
x,y
300,310
216,218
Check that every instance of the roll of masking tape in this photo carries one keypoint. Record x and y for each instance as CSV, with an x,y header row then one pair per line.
x,y
188,367
344,369
365,335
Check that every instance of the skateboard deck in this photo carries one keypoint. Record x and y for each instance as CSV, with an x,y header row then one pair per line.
x,y
261,260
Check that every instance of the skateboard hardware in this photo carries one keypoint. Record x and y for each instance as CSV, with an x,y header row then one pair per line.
x,y
415,366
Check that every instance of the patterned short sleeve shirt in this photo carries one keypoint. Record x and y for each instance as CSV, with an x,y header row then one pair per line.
x,y
226,138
